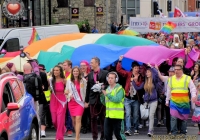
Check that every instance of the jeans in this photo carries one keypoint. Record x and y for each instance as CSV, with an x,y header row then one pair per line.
x,y
116,126
131,105
174,126
68,120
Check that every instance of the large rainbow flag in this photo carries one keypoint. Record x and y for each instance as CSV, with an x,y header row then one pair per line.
x,y
168,27
34,37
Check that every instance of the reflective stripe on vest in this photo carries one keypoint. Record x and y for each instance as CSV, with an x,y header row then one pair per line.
x,y
115,110
179,89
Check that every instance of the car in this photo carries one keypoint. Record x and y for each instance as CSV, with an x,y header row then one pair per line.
x,y
18,117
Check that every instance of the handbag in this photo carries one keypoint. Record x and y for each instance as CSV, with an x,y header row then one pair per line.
x,y
144,110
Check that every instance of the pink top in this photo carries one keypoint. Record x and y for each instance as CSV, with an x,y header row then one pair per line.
x,y
59,87
78,87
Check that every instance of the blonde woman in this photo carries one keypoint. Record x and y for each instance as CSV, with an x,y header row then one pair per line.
x,y
150,96
76,91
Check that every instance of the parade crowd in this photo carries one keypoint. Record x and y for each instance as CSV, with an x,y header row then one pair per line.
x,y
76,99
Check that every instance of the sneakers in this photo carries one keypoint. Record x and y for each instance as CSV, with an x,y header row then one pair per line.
x,y
195,125
140,126
128,133
150,133
69,133
162,122
159,123
43,133
136,132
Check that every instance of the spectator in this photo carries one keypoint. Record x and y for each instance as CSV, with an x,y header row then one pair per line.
x,y
95,30
84,29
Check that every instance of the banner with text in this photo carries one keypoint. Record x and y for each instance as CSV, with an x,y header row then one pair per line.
x,y
184,24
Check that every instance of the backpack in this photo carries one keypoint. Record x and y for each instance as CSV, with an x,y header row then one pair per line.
x,y
31,85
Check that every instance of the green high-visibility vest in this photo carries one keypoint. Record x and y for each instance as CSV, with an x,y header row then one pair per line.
x,y
115,110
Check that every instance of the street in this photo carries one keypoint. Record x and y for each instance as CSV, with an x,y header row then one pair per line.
x,y
50,133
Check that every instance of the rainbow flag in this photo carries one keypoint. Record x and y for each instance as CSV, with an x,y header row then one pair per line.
x,y
34,37
168,27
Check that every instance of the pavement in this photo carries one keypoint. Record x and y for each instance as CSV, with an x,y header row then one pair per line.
x,y
192,131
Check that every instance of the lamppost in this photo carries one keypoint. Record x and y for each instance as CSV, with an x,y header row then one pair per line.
x,y
95,15
29,16
49,12
70,6
33,13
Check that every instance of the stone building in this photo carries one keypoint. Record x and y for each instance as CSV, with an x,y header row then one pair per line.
x,y
61,15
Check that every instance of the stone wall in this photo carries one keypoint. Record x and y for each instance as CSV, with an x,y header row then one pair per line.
x,y
62,15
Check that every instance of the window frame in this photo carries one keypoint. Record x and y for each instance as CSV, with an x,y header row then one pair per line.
x,y
22,94
10,92
6,48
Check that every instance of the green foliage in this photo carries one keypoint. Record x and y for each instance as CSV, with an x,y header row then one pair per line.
x,y
86,22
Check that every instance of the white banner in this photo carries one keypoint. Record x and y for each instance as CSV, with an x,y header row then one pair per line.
x,y
184,24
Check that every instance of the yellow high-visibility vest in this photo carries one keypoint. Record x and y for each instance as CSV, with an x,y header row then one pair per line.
x,y
179,94
48,92
115,110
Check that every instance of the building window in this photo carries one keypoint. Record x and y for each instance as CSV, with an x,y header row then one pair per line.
x,y
62,3
130,13
131,3
138,7
124,6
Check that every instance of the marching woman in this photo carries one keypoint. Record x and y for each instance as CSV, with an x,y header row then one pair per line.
x,y
150,96
76,90
58,101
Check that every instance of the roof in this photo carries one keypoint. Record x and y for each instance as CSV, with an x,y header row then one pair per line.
x,y
4,32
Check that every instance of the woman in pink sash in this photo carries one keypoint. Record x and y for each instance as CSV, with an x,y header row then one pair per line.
x,y
76,90
58,102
